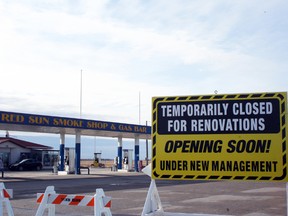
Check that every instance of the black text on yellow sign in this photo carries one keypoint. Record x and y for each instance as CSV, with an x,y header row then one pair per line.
x,y
216,137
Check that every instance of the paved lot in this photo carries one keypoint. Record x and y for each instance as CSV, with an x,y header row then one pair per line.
x,y
129,190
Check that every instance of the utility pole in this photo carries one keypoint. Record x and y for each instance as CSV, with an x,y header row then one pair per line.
x,y
139,107
147,147
81,94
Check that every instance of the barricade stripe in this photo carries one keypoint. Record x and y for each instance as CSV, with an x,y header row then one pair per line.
x,y
6,194
86,200
39,199
108,205
76,200
91,203
59,199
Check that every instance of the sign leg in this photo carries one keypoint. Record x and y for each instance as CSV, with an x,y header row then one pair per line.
x,y
287,197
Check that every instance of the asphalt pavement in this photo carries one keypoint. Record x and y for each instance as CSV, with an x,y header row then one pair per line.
x,y
129,191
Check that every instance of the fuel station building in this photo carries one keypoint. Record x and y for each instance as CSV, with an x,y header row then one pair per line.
x,y
10,121
13,150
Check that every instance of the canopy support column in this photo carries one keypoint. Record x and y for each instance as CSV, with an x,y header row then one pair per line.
x,y
120,152
62,147
136,158
77,153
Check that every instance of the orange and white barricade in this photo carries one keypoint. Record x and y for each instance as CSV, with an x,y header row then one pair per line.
x,y
5,195
50,198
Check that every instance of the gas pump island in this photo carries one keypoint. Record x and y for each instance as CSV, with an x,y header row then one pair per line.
x,y
11,121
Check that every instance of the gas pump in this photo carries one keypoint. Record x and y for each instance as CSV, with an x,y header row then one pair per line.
x,y
69,155
128,159
97,159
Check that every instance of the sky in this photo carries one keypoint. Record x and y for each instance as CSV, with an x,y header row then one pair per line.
x,y
132,50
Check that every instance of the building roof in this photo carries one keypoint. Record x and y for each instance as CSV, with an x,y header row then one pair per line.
x,y
24,144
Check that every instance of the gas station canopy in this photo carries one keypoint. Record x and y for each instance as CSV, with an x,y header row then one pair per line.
x,y
62,125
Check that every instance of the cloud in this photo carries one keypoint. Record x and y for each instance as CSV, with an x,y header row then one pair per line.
x,y
153,47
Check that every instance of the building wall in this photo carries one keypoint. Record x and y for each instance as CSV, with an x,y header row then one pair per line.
x,y
13,150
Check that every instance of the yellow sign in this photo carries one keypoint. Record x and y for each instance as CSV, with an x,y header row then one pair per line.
x,y
220,137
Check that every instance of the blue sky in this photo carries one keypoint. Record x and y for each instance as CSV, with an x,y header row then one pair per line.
x,y
131,49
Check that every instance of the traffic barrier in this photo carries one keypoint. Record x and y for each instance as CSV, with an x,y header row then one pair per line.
x,y
153,205
50,198
5,195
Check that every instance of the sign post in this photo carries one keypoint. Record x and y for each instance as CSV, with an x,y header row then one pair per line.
x,y
220,137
